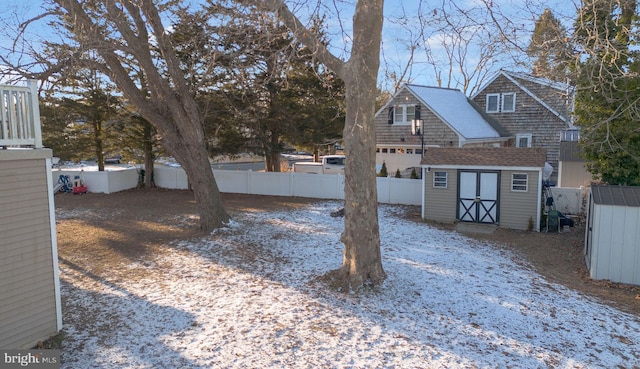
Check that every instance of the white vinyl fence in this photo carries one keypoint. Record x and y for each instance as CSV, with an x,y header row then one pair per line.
x,y
109,181
390,190
569,200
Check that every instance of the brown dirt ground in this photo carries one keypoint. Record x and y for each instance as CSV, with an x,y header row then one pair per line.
x,y
104,233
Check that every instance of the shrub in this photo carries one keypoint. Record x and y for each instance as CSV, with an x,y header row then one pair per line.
x,y
383,170
414,174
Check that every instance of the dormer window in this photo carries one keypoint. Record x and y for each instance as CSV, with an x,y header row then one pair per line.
x,y
505,103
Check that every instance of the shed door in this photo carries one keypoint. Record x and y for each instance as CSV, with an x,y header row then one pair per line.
x,y
478,197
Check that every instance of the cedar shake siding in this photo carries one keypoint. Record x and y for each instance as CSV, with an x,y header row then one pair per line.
x,y
542,110
29,299
449,119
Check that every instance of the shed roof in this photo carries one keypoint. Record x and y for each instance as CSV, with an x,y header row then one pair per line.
x,y
616,195
485,156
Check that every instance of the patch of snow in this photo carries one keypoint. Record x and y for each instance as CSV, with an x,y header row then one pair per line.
x,y
247,296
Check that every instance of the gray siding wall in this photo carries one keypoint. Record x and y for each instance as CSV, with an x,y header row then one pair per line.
x,y
530,117
27,289
517,209
440,203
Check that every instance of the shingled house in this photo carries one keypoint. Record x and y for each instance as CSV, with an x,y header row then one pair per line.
x,y
446,118
534,111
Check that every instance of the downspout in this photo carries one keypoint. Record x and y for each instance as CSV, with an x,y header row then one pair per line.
x,y
539,202
54,244
423,192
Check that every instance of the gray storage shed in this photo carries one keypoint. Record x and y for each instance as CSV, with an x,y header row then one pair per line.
x,y
612,239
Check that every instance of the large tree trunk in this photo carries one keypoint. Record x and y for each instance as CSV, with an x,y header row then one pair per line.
x,y
362,263
188,148
165,100
196,164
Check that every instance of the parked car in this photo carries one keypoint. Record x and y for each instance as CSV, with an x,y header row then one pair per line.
x,y
330,164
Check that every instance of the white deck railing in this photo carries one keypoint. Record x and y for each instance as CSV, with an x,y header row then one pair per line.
x,y
20,116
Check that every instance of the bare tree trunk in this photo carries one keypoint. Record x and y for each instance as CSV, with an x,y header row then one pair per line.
x,y
207,196
274,152
148,155
97,141
362,261
166,100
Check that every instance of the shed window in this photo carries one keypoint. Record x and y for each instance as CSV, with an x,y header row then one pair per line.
x,y
440,179
519,182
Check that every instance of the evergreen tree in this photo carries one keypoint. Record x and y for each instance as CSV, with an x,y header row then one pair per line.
x,y
609,90
278,94
550,48
398,174
81,124
383,170
414,174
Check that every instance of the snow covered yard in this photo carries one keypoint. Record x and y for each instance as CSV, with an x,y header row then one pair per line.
x,y
248,297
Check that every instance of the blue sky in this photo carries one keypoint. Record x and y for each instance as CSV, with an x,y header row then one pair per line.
x,y
401,27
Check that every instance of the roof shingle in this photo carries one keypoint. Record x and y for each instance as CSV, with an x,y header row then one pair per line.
x,y
485,156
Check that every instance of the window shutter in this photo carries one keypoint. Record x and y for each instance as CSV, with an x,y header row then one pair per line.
x,y
391,115
417,112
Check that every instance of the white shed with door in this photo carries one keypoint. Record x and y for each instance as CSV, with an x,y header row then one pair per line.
x,y
612,239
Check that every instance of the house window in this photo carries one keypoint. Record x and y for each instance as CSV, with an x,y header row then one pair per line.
x,y
409,151
404,114
508,102
377,149
440,180
384,151
519,182
523,140
400,151
492,103
392,151
505,103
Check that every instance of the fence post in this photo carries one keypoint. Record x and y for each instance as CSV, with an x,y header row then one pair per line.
x,y
35,113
